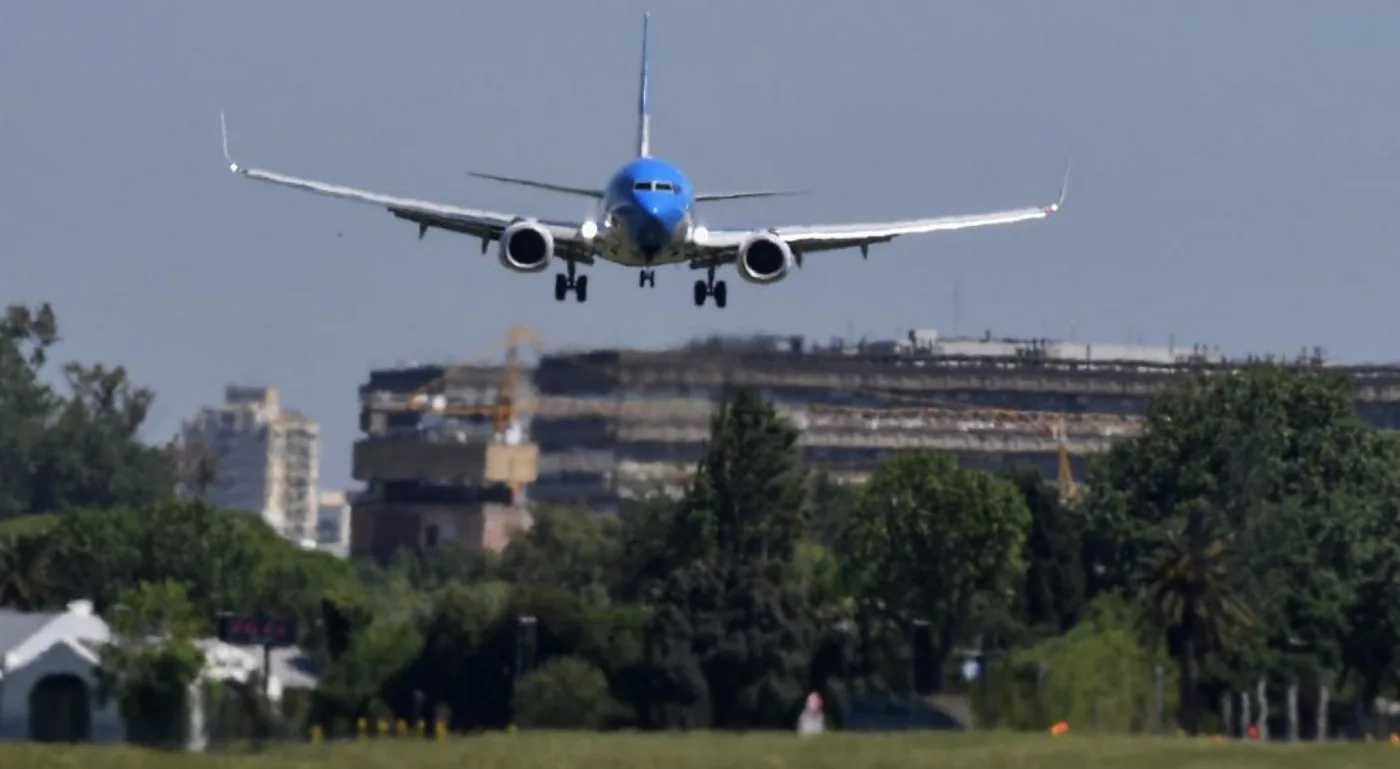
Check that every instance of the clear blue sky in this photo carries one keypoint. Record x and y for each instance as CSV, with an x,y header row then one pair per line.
x,y
1236,169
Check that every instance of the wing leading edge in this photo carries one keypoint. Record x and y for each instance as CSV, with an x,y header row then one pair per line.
x,y
483,224
597,194
805,238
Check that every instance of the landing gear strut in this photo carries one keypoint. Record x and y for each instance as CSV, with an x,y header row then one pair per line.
x,y
711,287
646,278
571,282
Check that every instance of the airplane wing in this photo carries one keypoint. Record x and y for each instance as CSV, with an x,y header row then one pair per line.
x,y
701,197
586,192
721,245
486,225
589,192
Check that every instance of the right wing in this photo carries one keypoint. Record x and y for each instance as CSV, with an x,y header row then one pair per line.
x,y
721,246
486,225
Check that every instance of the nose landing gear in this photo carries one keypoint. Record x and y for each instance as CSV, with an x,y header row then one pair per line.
x,y
646,278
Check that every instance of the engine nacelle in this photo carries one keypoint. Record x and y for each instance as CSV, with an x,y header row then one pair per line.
x,y
526,247
764,258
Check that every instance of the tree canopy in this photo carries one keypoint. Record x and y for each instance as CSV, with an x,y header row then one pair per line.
x,y
1251,532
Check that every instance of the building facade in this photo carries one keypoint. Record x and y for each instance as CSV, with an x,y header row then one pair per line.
x,y
333,521
613,424
263,458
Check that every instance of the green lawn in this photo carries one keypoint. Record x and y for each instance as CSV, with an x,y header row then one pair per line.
x,y
768,751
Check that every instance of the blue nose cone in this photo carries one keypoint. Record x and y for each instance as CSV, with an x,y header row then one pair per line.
x,y
654,225
667,217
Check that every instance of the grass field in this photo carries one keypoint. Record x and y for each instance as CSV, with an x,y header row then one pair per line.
x,y
767,751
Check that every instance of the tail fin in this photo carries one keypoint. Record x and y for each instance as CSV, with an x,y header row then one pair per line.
x,y
643,111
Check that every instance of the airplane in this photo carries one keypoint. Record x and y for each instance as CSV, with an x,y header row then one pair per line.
x,y
644,218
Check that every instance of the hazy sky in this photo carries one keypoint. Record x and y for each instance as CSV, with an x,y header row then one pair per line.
x,y
1235,178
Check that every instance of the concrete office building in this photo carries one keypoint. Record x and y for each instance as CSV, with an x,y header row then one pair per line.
x,y
612,424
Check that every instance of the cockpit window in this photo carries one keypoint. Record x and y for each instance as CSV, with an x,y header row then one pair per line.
x,y
665,187
642,186
658,186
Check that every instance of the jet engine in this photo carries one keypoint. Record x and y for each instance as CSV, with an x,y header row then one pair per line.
x,y
526,247
764,258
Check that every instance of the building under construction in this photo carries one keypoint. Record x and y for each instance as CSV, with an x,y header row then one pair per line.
x,y
609,424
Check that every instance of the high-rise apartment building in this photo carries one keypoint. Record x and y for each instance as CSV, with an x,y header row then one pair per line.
x,y
333,521
263,458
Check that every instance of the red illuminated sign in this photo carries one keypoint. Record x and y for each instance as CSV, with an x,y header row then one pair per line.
x,y
257,631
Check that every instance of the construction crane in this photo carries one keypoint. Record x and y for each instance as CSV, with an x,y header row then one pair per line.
x,y
1068,490
431,396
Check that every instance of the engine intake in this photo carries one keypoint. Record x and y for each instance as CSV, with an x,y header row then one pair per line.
x,y
526,247
764,258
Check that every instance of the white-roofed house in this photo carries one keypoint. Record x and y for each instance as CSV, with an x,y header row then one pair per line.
x,y
49,686
48,676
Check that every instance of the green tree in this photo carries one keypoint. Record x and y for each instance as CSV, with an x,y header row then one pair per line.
x,y
832,503
727,606
375,639
928,540
26,581
1100,673
1052,591
564,693
644,531
570,548
80,451
1280,459
152,661
1192,594
26,403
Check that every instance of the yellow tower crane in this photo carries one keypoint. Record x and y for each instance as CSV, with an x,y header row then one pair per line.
x,y
431,396
513,465
1068,490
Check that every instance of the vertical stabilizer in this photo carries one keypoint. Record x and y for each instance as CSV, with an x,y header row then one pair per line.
x,y
643,110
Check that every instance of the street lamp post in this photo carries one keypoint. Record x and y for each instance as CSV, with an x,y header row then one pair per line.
x,y
523,622
846,629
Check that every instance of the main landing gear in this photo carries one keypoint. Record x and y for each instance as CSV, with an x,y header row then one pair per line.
x,y
646,278
711,287
565,283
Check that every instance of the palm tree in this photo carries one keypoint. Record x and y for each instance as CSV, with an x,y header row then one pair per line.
x,y
1191,594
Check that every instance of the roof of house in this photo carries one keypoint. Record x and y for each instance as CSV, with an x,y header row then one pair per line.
x,y
17,627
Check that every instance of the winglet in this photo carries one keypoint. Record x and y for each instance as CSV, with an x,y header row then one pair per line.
x,y
1064,190
223,129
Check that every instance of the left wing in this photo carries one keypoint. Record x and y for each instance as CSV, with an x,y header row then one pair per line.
x,y
719,247
486,225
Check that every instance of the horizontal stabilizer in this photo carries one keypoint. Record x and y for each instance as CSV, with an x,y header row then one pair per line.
x,y
704,196
582,191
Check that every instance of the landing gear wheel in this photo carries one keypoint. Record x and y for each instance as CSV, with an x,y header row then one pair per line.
x,y
566,282
646,278
711,287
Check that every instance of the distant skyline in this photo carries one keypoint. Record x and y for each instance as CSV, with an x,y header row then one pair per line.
x,y
1235,175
